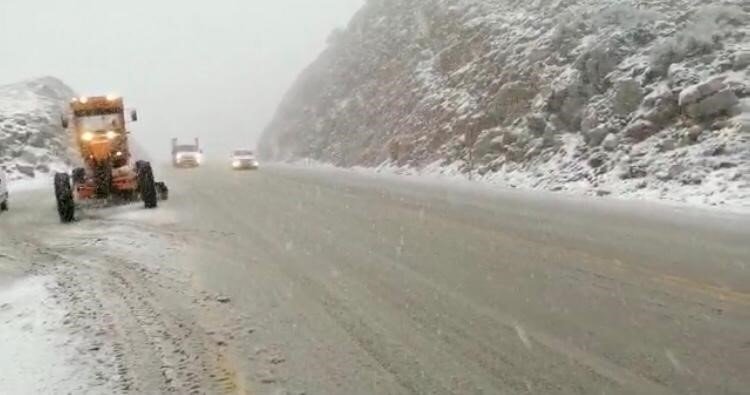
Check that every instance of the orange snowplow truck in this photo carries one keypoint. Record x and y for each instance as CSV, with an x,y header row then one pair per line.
x,y
98,127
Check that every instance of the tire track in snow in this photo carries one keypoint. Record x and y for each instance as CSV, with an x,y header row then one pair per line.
x,y
139,345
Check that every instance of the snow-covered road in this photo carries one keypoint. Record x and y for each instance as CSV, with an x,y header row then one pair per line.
x,y
130,321
331,282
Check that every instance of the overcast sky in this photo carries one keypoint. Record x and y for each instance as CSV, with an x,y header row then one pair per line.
x,y
214,69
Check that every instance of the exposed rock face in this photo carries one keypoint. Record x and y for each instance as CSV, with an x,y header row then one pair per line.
x,y
32,139
538,90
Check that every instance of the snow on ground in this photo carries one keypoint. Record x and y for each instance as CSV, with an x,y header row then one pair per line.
x,y
136,213
130,321
526,183
31,184
35,345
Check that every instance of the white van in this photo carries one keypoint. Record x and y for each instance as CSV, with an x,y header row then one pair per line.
x,y
3,191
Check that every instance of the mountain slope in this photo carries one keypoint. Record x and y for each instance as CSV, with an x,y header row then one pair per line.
x,y
641,98
32,139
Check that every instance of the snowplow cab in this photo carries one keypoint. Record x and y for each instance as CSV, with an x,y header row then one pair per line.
x,y
98,126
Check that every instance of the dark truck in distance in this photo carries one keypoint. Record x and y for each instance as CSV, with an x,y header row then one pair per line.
x,y
186,155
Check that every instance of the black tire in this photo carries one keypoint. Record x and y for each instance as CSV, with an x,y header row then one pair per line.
x,y
79,175
103,178
64,197
4,206
146,185
162,190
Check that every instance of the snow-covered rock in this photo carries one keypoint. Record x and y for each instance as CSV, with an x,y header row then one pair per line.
x,y
640,130
741,60
743,122
610,142
695,93
660,106
32,139
595,136
707,98
715,104
537,91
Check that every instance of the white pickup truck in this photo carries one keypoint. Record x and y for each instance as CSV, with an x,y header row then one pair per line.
x,y
186,155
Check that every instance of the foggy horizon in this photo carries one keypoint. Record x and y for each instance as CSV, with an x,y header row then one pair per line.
x,y
216,72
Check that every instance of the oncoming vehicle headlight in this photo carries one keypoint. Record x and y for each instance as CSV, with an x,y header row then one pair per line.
x,y
199,158
113,97
236,163
87,136
111,135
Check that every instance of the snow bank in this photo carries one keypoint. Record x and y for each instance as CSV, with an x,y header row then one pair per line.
x,y
41,182
33,356
723,199
32,139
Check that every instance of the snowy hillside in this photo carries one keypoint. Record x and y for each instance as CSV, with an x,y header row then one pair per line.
x,y
632,98
32,140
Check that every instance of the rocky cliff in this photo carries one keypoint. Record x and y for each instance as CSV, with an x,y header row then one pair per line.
x,y
642,98
32,139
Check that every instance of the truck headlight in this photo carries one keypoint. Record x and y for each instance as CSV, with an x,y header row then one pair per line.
x,y
111,135
236,163
87,136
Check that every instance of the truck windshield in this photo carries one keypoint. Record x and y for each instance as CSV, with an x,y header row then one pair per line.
x,y
99,122
243,153
186,148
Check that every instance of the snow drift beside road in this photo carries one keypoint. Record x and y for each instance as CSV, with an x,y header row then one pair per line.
x,y
42,181
32,139
453,177
33,359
